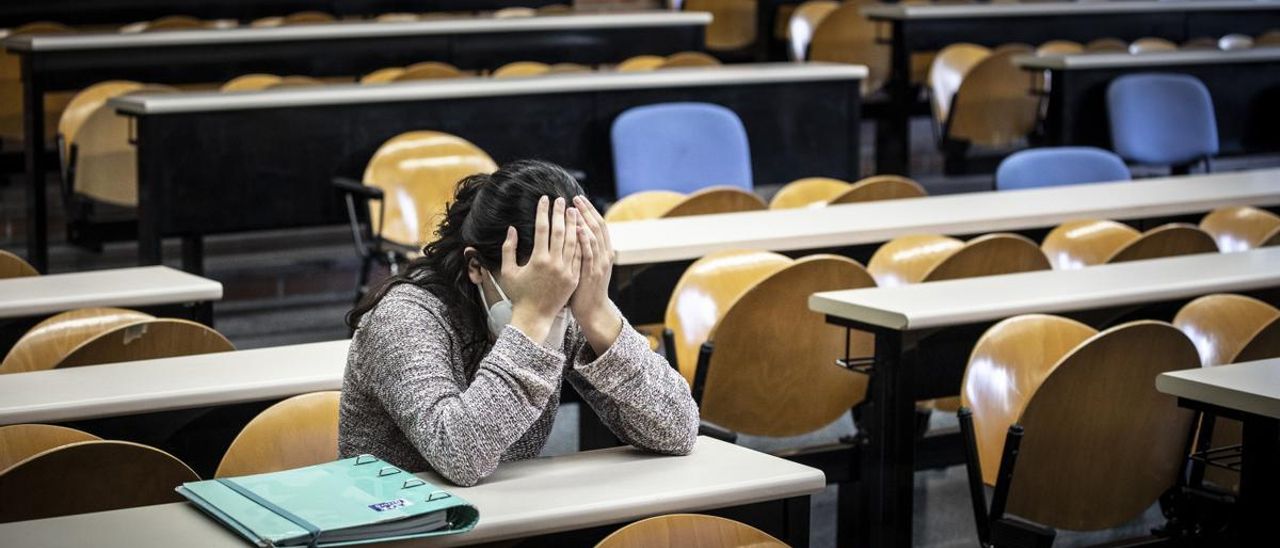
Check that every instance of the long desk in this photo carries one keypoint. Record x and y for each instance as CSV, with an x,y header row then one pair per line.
x,y
13,14
905,372
1249,392
1245,86
595,491
212,163
68,62
918,28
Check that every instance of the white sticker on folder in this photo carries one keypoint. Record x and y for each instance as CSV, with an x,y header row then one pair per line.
x,y
390,505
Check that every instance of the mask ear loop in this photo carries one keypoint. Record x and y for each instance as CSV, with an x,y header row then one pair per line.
x,y
496,286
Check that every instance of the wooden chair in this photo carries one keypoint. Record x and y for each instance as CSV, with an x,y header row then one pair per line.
x,y
521,69
927,258
81,106
880,187
1077,244
554,9
1200,43
429,70
691,531
250,82
13,266
300,431
49,342
845,36
1074,418
18,442
649,204
1151,45
90,476
733,26
687,59
641,63
808,192
299,18
383,75
1060,47
166,23
101,162
1235,41
717,199
11,106
1106,45
397,17
1241,228
295,82
803,21
992,106
568,68
1269,38
514,12
947,73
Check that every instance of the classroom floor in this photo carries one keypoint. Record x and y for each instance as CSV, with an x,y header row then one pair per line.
x,y
290,287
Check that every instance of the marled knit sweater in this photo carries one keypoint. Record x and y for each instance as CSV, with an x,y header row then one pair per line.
x,y
406,397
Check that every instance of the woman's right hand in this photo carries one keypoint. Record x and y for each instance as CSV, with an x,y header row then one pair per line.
x,y
541,287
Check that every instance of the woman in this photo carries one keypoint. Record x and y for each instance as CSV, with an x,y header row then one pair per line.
x,y
456,364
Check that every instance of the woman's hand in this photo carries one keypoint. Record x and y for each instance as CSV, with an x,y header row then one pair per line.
x,y
589,304
541,288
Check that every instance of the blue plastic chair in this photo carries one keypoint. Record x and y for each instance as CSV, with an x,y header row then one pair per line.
x,y
1162,119
681,147
1058,166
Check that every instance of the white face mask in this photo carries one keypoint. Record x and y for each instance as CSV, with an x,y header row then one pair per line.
x,y
499,316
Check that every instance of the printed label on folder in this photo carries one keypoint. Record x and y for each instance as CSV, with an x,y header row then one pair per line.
x,y
390,505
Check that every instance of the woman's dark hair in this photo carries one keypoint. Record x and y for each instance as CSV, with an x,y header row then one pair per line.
x,y
483,207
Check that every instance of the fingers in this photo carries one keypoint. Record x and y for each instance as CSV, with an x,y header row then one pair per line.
x,y
571,226
596,221
509,250
587,242
556,245
541,224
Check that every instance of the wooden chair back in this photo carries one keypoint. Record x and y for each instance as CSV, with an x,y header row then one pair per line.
x,y
908,259
880,187
568,68
383,75
514,12
1060,47
845,36
1169,240
993,106
175,22
429,70
11,124
947,73
807,192
300,431
1269,38
648,204
295,82
49,342
990,255
1240,228
1222,325
84,104
19,442
13,266
90,476
397,17
554,9
1200,43
147,340
803,22
520,69
687,59
771,373
733,26
704,294
418,171
250,82
1106,45
717,199
689,531
299,18
106,165
1077,244
641,63
1151,45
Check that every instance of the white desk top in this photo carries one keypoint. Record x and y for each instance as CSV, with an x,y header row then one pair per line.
x,y
353,29
1250,387
1154,59
521,499
965,11
764,73
990,298
127,388
684,238
125,287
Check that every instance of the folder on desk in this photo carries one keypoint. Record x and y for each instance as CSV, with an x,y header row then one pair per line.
x,y
345,502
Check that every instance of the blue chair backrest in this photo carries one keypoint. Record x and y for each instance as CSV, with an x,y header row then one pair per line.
x,y
1057,166
681,147
1161,119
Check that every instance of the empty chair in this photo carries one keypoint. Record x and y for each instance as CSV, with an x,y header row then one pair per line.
x,y
567,68
514,12
716,199
1200,43
1077,244
11,107
168,22
299,18
1058,166
686,59
1061,385
397,17
641,63
927,258
1232,42
845,36
1106,45
382,75
804,20
554,9
880,187
295,82
1241,228
947,72
1059,47
91,336
13,266
1162,119
1269,38
90,476
1151,45
807,192
648,204
18,442
101,162
681,147
250,82
300,431
991,107
428,70
733,26
521,68
688,530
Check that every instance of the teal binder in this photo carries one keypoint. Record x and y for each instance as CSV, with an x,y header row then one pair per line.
x,y
345,502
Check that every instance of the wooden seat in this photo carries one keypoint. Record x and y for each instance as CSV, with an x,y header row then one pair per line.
x,y
90,476
299,18
649,204
568,68
927,258
300,431
1059,47
808,192
18,442
429,70
13,266
382,75
804,20
521,69
1241,228
992,106
1077,244
641,63
1106,45
716,199
1269,38
250,82
1235,41
1151,45
1078,395
81,106
101,161
733,24
11,106
687,59
1200,43
846,36
397,17
880,187
554,9
947,73
689,531
166,23
295,82
514,12
49,342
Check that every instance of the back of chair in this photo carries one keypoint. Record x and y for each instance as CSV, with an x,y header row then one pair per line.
x,y
429,70
1170,240
1222,325
705,292
804,21
299,18
418,171
175,22
947,72
1106,45
679,146
807,192
990,255
908,259
1151,45
295,82
300,431
90,476
1058,166
250,82
147,340
650,204
83,105
382,75
521,69
993,106
689,531
13,266
106,165
1232,42
1269,38
1077,244
846,36
710,201
1059,47
641,63
568,68
49,342
734,23
687,59
880,187
1241,228
1101,444
1165,119
771,373
18,442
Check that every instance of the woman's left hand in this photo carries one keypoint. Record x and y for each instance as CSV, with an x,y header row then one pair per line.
x,y
589,303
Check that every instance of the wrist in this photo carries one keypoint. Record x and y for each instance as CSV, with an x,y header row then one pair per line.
x,y
601,325
533,323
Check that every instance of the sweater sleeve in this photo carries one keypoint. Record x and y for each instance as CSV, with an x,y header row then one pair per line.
x,y
635,392
462,431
